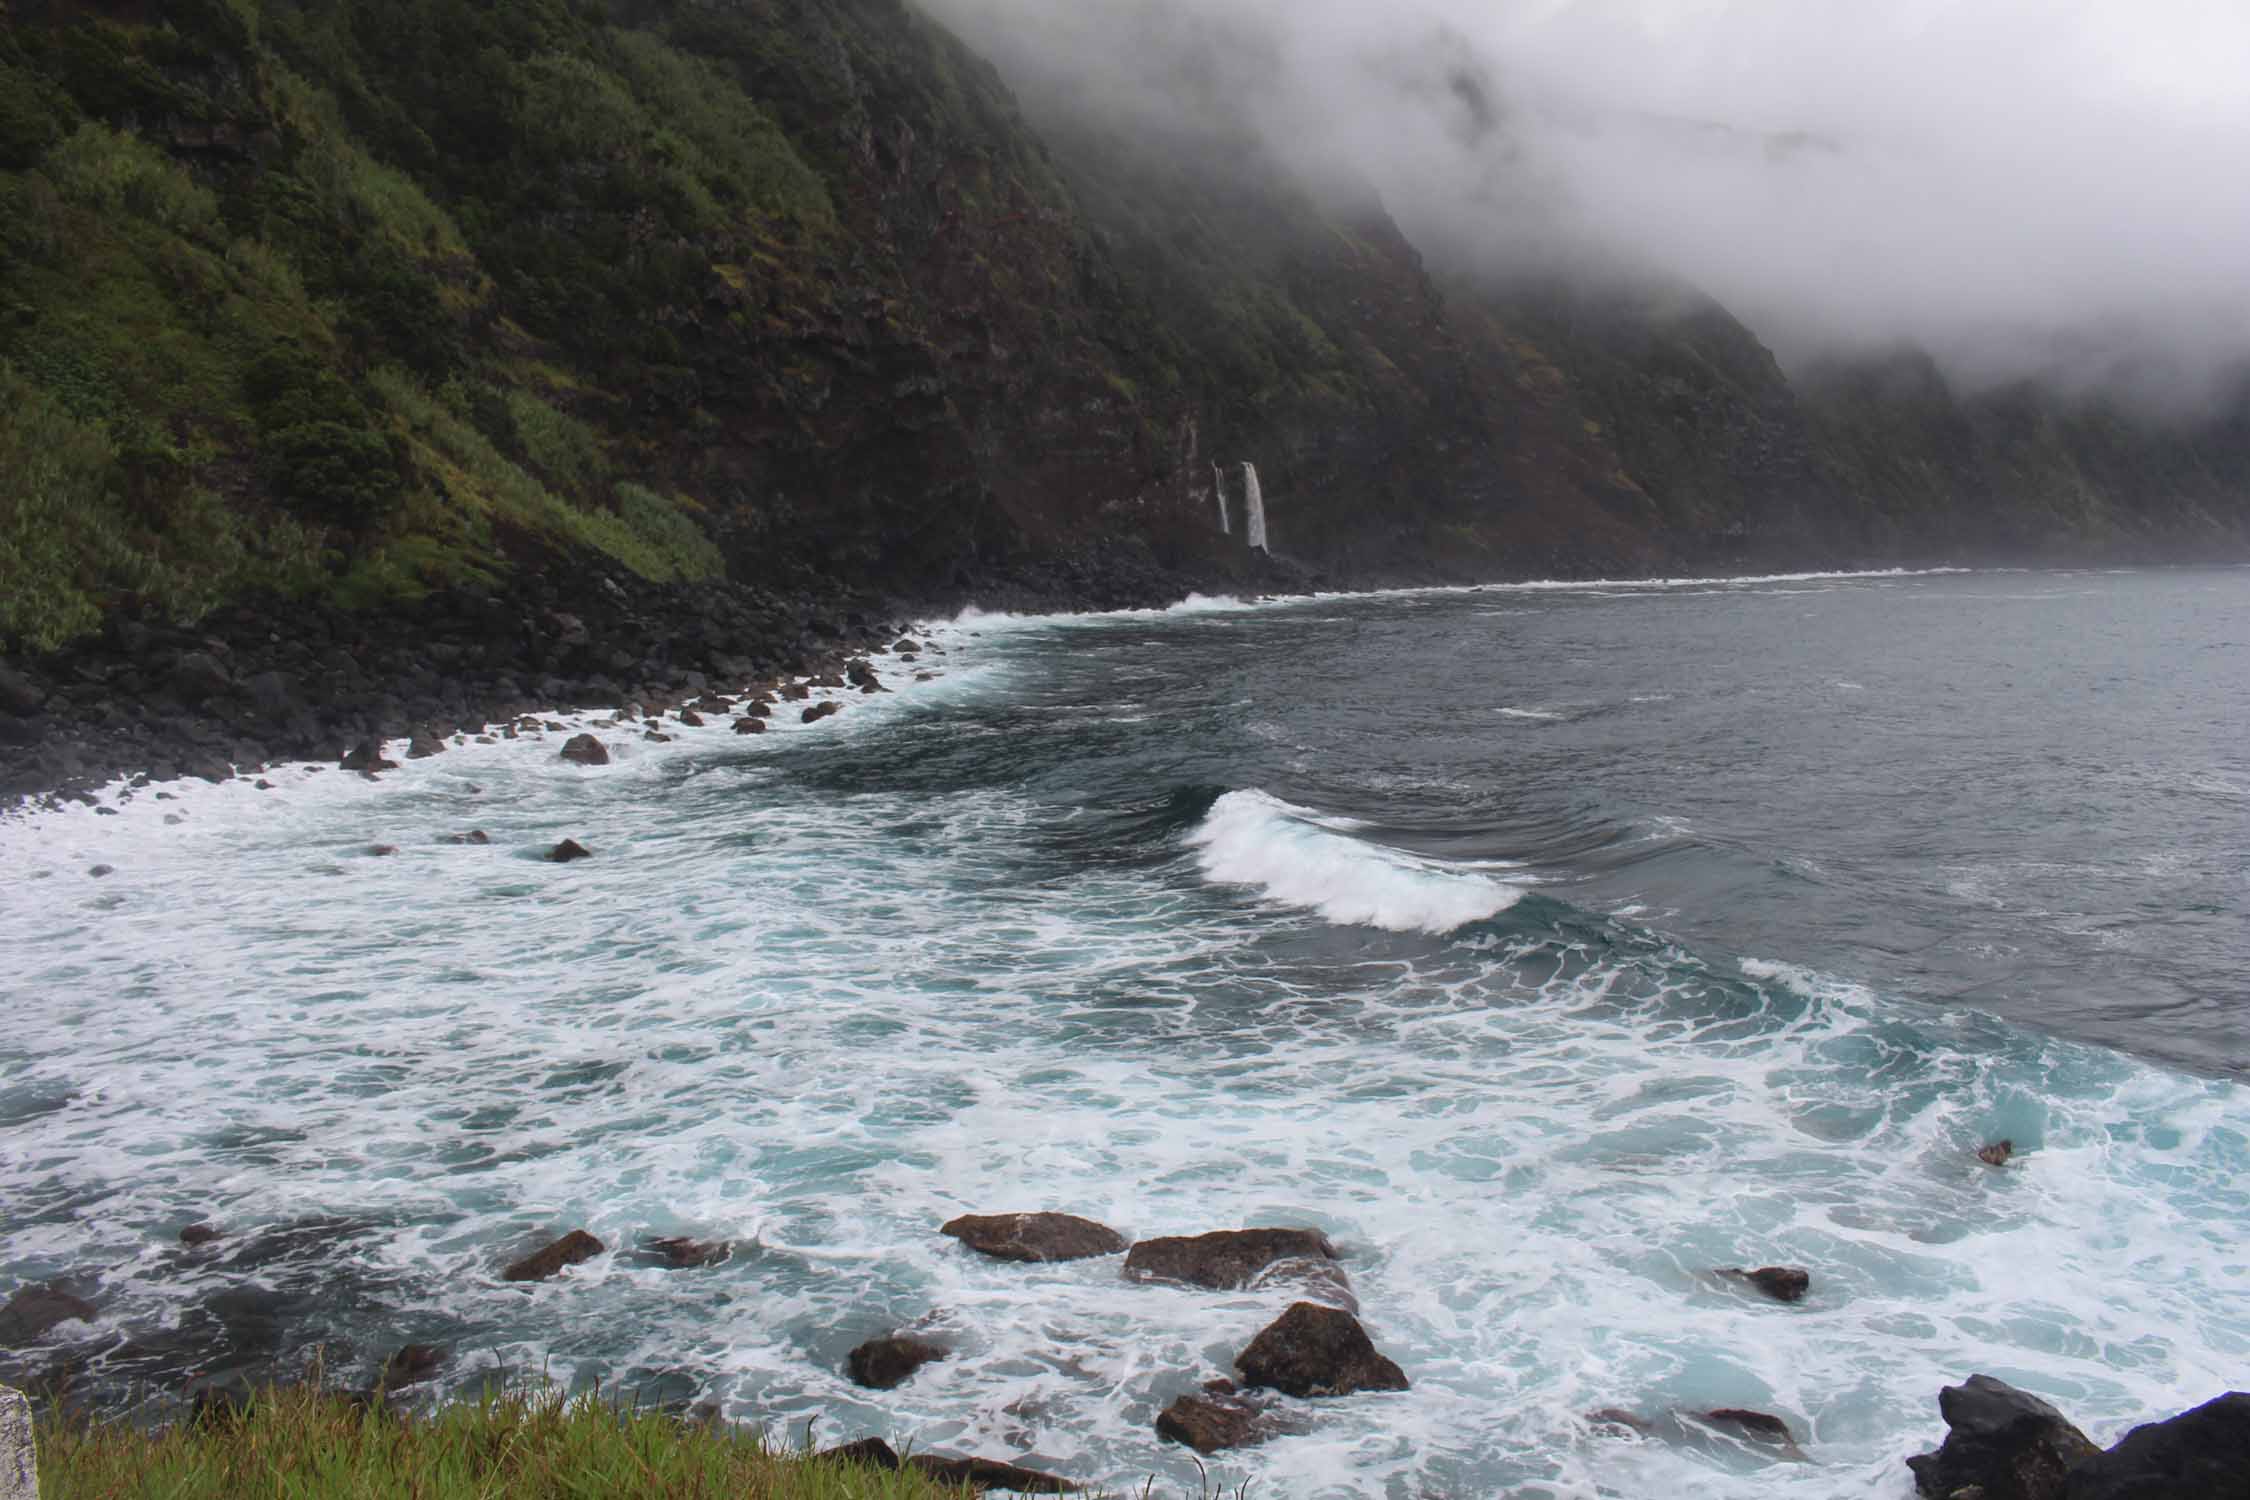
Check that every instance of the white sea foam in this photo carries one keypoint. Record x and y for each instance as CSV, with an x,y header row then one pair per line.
x,y
1287,852
1542,714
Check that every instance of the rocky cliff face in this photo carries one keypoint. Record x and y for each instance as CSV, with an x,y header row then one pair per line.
x,y
359,301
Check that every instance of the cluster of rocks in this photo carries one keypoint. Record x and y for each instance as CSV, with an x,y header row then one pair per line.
x,y
1315,1349
2005,1444
291,680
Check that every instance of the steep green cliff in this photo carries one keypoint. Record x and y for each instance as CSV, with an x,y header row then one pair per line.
x,y
358,300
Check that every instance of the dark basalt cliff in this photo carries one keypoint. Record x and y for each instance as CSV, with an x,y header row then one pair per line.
x,y
353,302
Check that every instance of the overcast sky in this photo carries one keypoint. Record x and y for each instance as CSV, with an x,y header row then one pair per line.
x,y
2016,185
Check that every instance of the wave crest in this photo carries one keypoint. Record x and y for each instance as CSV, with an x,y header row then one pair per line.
x,y
1296,857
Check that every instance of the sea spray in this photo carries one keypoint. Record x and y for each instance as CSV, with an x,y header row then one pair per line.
x,y
1253,507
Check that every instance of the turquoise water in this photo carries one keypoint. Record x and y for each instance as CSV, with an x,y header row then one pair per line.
x,y
1548,947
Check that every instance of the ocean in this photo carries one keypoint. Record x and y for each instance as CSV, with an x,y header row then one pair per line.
x,y
1547,946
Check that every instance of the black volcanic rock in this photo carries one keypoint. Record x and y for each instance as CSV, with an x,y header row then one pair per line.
x,y
1034,1237
2004,1443
1312,1350
2197,1454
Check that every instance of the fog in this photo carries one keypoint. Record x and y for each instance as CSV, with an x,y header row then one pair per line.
x,y
2049,187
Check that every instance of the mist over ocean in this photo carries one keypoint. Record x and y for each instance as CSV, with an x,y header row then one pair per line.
x,y
1546,945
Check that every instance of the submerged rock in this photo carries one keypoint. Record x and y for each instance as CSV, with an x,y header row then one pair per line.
x,y
749,726
679,1253
568,850
585,750
1310,1278
1034,1237
34,1311
572,1249
2201,1452
1221,1417
1312,1350
473,836
2003,1443
989,1474
196,1235
1782,1283
884,1363
1224,1261
1757,1426
1997,1153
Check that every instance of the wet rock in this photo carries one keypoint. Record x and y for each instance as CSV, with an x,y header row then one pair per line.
x,y
678,1253
757,708
1034,1237
98,871
691,718
1617,1420
379,851
585,750
906,646
411,1366
866,1453
367,758
1997,1153
1312,1350
2201,1452
423,746
568,850
658,737
796,692
35,1310
199,1234
1221,1417
473,836
2004,1443
887,1362
1310,1278
819,711
861,674
1757,1426
1226,1260
749,726
572,1249
989,1474
1782,1283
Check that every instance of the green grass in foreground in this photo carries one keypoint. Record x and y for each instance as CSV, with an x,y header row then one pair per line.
x,y
302,1444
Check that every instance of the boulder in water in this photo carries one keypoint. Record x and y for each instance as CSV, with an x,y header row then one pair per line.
x,y
367,758
572,1249
473,836
1220,1417
568,850
1782,1283
585,750
2201,1452
1758,1426
1034,1237
679,1253
1226,1260
2003,1443
34,1311
884,1363
748,725
198,1235
1997,1153
1312,1350
424,745
819,711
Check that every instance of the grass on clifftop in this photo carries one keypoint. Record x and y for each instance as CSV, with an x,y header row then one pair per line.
x,y
303,1444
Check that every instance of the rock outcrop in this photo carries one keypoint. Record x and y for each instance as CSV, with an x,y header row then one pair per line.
x,y
574,1248
885,1363
1220,1417
1312,1350
2000,1444
2199,1453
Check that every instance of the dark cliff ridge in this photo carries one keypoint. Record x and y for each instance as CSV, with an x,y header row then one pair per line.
x,y
335,327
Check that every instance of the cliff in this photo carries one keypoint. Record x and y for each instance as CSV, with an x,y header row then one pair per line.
x,y
355,303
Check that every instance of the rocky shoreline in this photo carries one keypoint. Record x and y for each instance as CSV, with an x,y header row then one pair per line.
x,y
2001,1443
257,684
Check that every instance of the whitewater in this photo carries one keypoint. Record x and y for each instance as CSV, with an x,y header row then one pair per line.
x,y
1546,947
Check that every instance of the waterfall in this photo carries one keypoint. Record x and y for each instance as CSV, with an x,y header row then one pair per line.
x,y
1253,508
1219,488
